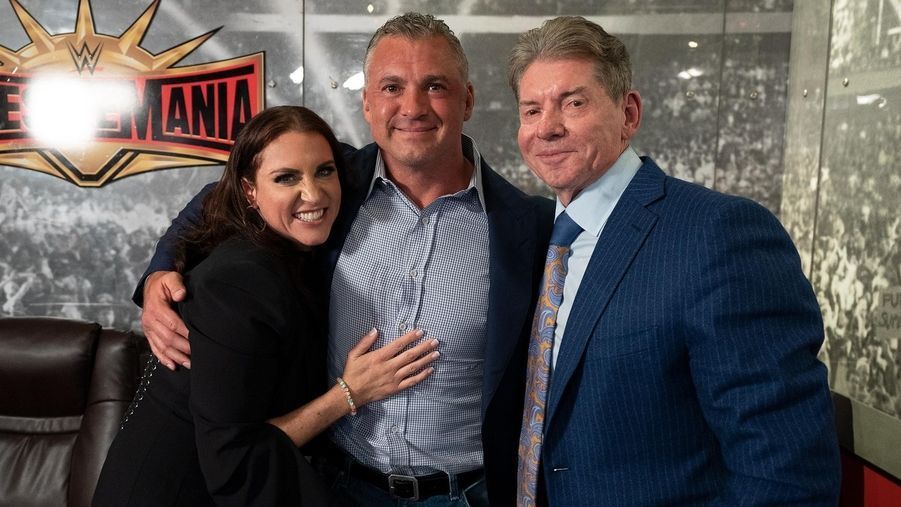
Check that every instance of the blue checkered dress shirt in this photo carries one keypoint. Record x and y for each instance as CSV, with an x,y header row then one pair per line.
x,y
401,268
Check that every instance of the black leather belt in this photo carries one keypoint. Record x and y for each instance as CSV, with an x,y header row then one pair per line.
x,y
408,487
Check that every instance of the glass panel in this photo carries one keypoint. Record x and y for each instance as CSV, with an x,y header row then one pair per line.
x,y
678,77
752,116
677,52
804,123
856,256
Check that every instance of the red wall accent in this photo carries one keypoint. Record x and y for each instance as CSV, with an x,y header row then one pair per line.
x,y
866,486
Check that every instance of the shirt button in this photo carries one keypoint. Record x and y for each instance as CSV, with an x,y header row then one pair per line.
x,y
425,220
414,273
394,428
403,326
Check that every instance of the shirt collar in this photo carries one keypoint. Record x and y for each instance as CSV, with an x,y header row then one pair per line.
x,y
593,206
470,151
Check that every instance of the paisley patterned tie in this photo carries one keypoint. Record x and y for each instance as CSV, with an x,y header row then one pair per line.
x,y
541,346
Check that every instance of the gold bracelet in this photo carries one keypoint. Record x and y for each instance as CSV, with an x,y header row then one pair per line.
x,y
350,399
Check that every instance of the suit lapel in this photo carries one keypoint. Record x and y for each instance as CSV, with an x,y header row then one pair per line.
x,y
361,165
623,236
511,229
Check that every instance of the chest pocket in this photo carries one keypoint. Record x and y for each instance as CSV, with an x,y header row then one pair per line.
x,y
612,345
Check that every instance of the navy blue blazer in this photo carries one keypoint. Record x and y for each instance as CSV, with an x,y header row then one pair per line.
x,y
519,230
687,374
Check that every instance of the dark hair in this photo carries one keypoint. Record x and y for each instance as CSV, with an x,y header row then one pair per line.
x,y
226,211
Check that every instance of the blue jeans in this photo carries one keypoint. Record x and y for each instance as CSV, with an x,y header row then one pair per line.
x,y
350,491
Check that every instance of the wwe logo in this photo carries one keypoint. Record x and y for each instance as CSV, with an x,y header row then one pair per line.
x,y
85,57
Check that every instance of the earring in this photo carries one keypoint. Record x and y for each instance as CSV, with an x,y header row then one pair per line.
x,y
254,207
262,224
244,215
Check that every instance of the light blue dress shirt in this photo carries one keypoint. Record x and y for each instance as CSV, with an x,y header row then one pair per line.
x,y
402,268
590,209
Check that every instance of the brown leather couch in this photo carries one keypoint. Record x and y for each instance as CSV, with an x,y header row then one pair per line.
x,y
64,386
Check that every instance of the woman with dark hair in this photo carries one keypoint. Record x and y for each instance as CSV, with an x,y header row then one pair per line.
x,y
228,430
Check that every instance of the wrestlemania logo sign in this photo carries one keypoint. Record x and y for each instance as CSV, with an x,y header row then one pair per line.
x,y
92,108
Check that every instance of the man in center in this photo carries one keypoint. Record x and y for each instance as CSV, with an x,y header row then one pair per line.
x,y
437,244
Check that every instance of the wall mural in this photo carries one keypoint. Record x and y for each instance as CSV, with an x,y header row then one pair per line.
x,y
856,257
89,109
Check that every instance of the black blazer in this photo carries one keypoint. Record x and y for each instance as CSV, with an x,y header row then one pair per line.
x,y
257,351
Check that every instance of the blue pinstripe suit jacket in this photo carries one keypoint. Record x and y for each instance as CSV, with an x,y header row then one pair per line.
x,y
688,371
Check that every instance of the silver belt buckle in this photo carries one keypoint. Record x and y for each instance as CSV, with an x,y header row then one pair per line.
x,y
404,487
